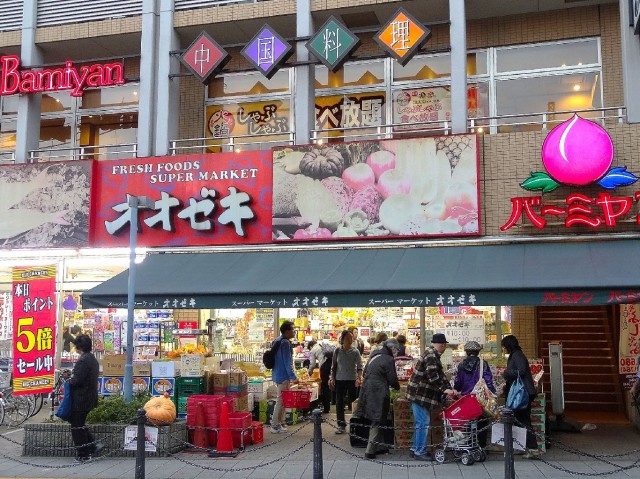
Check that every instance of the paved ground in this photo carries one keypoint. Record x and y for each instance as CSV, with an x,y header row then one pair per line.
x,y
275,458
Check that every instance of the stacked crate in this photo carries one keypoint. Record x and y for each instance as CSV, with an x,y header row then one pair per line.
x,y
403,423
186,387
538,420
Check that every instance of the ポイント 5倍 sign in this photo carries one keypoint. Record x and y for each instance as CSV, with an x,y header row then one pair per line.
x,y
34,330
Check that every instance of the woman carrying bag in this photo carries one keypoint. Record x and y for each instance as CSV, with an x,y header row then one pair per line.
x,y
518,373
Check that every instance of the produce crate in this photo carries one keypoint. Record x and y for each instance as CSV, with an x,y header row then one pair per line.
x,y
239,420
257,430
296,398
188,386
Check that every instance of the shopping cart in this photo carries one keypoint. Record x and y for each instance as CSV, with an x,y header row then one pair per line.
x,y
460,432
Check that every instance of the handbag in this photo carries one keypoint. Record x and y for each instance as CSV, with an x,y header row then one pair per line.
x,y
518,397
485,397
65,406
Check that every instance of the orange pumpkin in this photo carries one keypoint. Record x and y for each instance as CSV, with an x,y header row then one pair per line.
x,y
160,410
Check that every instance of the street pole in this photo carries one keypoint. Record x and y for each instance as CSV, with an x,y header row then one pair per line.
x,y
133,234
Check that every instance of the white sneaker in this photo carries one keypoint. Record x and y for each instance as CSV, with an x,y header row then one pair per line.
x,y
276,430
283,428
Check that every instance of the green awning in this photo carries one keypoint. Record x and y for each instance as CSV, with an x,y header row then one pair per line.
x,y
552,273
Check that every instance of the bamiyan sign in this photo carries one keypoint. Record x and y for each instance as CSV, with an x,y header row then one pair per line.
x,y
577,153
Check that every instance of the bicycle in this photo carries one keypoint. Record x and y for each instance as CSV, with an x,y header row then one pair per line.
x,y
15,409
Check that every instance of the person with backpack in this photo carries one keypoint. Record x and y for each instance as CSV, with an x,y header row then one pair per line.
x,y
282,372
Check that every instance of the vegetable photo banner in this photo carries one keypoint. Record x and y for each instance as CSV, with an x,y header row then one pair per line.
x,y
372,189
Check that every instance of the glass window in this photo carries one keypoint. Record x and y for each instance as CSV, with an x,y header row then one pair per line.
x,y
7,137
351,115
549,55
437,66
9,104
126,95
351,74
248,84
108,129
547,94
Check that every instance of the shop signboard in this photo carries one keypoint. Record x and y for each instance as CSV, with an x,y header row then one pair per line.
x,y
6,317
402,36
332,44
460,328
45,205
34,326
377,189
212,199
358,110
629,347
577,153
267,51
204,57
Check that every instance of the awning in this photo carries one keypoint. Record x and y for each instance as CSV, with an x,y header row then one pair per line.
x,y
568,273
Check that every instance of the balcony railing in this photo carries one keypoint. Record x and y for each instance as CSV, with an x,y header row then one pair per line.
x,y
98,152
231,143
7,157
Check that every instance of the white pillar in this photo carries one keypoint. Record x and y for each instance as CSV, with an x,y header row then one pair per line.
x,y
168,92
304,88
458,33
148,69
28,120
630,62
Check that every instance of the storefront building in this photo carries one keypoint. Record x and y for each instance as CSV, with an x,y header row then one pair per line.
x,y
499,214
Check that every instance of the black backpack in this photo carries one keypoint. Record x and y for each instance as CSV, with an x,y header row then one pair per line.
x,y
269,356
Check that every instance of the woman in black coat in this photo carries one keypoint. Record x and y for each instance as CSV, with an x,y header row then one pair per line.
x,y
518,364
84,395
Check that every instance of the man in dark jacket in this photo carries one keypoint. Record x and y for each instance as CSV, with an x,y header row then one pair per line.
x,y
84,395
426,389
379,376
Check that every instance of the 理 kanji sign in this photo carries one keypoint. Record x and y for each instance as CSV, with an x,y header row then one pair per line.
x,y
267,51
402,36
34,330
204,57
332,44
213,199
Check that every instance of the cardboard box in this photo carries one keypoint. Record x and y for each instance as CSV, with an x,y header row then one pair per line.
x,y
291,416
219,380
161,385
259,387
163,369
241,403
142,368
402,415
141,385
112,385
404,424
113,365
401,405
192,365
237,378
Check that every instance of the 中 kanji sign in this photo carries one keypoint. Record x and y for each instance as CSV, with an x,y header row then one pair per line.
x,y
332,44
267,51
34,330
213,199
204,57
402,36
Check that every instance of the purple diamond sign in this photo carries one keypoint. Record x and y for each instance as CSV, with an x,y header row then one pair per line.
x,y
267,51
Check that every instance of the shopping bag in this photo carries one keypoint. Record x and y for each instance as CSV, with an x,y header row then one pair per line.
x,y
64,409
518,397
484,395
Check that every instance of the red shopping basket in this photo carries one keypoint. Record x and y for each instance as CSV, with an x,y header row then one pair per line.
x,y
296,398
465,409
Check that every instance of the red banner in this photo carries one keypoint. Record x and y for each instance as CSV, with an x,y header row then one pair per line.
x,y
34,329
212,199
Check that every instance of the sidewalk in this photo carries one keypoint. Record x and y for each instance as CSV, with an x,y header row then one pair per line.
x,y
341,461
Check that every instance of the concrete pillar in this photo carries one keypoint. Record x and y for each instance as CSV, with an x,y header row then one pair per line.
x,y
304,93
148,77
168,93
630,62
28,120
458,33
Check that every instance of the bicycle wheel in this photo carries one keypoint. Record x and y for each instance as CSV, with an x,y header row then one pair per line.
x,y
1,411
38,400
16,409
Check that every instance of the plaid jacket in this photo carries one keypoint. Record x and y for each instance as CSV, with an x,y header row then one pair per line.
x,y
428,382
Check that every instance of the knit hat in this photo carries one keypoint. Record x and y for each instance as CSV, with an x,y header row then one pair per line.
x,y
472,346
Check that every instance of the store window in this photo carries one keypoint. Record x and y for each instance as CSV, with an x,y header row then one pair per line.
x,y
548,56
7,137
351,75
119,130
125,95
253,83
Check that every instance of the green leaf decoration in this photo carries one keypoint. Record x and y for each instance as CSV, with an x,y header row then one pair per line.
x,y
540,181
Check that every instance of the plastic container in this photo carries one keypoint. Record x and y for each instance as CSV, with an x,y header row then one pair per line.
x,y
465,409
296,398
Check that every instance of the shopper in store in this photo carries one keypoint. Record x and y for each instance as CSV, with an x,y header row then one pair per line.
x,y
84,397
282,373
379,341
327,395
373,405
468,375
402,340
346,376
357,343
428,387
518,366
67,339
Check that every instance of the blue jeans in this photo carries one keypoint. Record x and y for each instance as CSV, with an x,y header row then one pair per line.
x,y
421,416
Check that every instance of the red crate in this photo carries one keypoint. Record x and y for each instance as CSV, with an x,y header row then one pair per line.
x,y
257,430
296,398
246,438
240,420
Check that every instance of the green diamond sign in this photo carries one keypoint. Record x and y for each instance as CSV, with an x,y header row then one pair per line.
x,y
332,44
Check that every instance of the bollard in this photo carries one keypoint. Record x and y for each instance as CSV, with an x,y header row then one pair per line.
x,y
317,445
140,443
507,422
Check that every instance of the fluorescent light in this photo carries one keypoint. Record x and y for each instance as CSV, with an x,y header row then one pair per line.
x,y
576,87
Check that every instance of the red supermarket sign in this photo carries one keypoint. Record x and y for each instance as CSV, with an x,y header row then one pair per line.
x,y
199,200
14,80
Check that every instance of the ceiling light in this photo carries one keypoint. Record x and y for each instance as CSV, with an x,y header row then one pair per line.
x,y
576,87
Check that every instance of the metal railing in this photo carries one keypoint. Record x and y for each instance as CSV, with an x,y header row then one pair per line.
x,y
391,130
98,152
231,143
7,157
193,4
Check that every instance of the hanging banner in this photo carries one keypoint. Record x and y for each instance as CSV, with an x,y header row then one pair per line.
x,y
212,199
629,349
34,329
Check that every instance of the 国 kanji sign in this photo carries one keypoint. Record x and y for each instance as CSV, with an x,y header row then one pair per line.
x,y
267,51
332,44
34,330
204,57
212,199
402,36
